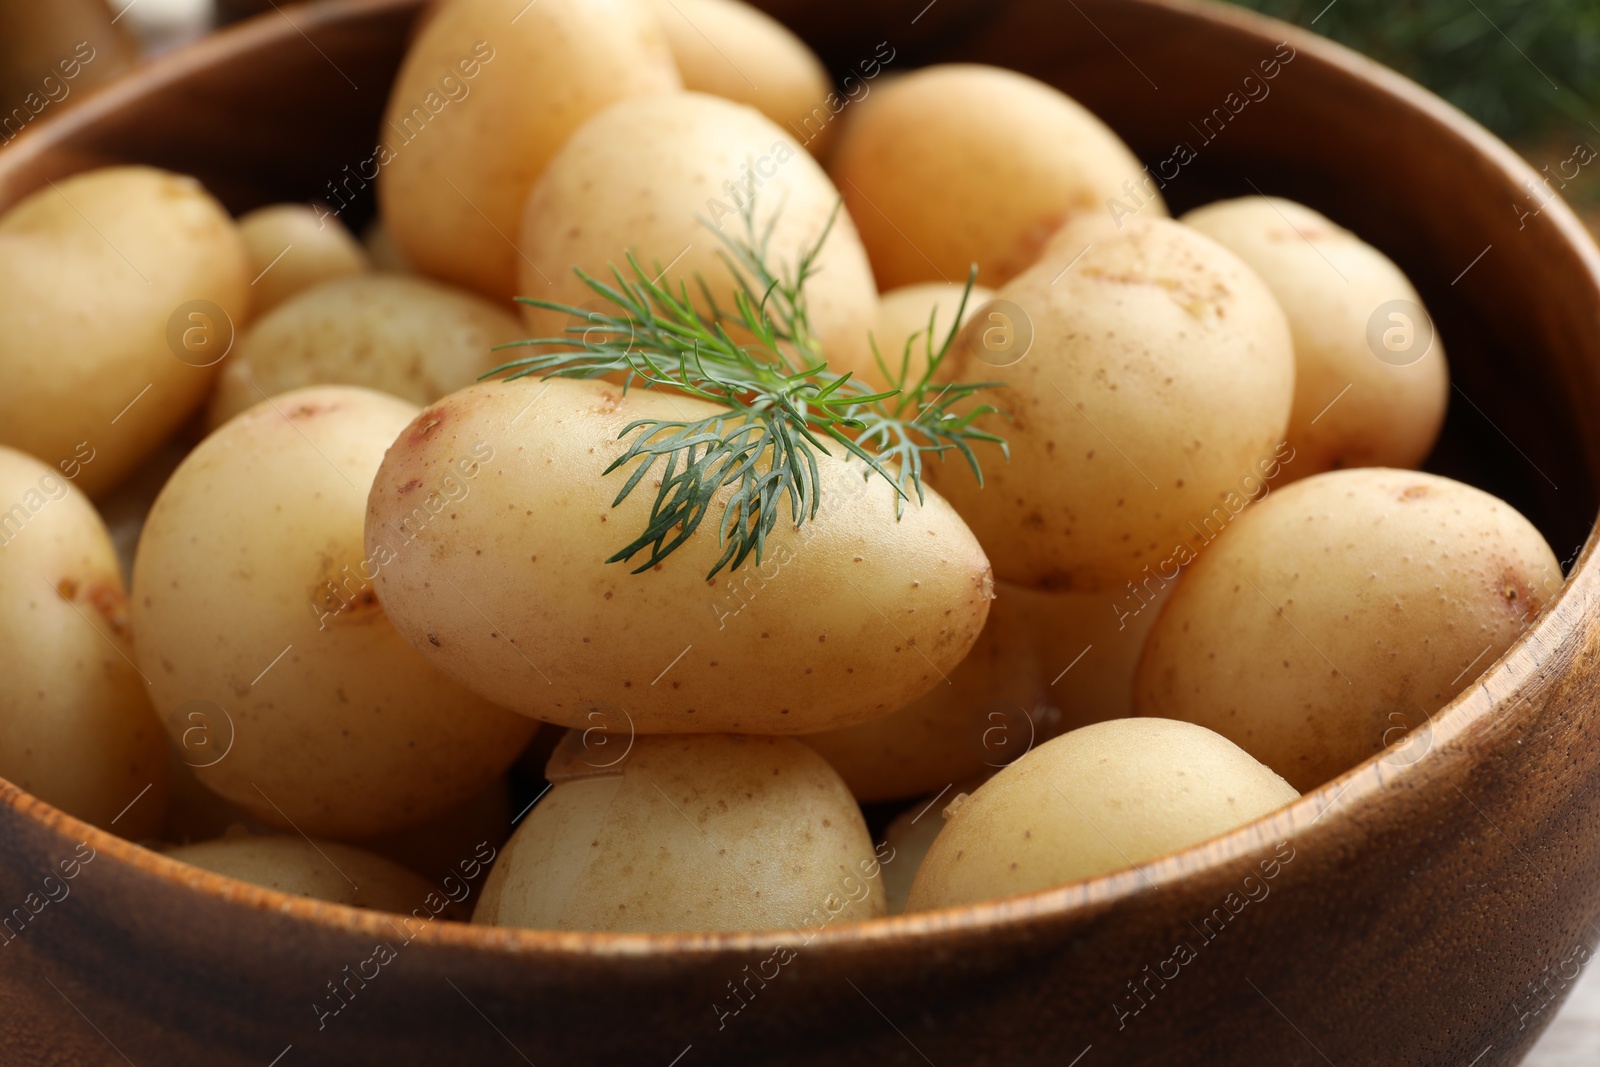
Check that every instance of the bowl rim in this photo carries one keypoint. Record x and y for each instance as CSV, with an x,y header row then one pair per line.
x,y
1361,783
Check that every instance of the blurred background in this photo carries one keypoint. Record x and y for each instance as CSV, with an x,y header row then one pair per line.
x,y
1527,69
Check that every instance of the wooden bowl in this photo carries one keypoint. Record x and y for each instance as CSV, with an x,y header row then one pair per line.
x,y
1416,900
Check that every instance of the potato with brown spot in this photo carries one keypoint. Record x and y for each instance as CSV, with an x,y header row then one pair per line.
x,y
713,832
410,337
1341,612
958,164
509,596
116,290
76,726
1352,406
1156,390
253,592
489,91
1090,802
294,247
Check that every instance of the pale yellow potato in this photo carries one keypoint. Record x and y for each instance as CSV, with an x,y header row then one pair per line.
x,y
707,157
699,833
438,848
1352,407
253,604
1154,392
488,92
959,164
115,286
323,870
730,49
904,315
402,335
293,247
1340,613
503,584
76,727
993,707
1096,800
908,838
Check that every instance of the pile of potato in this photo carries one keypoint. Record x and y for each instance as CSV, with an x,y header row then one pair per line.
x,y
365,569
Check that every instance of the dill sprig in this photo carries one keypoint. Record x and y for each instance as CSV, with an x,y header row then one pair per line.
x,y
780,404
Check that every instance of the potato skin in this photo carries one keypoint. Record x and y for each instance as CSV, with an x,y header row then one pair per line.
x,y
1341,611
714,832
324,870
76,726
405,336
86,330
252,559
994,708
905,312
734,50
1329,283
1158,383
1089,802
957,164
792,645
520,79
292,249
589,212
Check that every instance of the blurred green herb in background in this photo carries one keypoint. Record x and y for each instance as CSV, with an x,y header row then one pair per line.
x,y
1527,69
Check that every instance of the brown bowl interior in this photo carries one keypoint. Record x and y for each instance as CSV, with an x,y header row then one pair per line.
x,y
277,109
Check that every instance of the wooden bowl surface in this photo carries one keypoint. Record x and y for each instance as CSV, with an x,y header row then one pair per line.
x,y
1412,903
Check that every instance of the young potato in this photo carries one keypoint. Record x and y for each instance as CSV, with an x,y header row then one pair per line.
x,y
708,159
992,709
906,312
909,837
1353,407
253,607
704,833
293,248
119,289
1149,381
500,489
730,49
76,728
959,164
322,870
488,92
402,335
1342,611
1095,800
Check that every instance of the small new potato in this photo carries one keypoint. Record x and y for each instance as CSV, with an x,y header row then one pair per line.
x,y
695,833
257,623
406,336
736,51
993,708
1341,612
958,164
709,158
501,581
1355,404
119,290
908,838
1087,646
904,315
1149,376
76,726
1096,800
323,870
488,92
293,247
